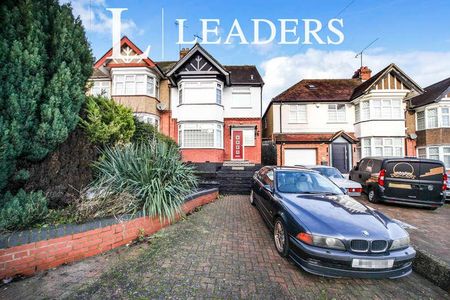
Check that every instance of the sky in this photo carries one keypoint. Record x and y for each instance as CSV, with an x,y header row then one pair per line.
x,y
414,34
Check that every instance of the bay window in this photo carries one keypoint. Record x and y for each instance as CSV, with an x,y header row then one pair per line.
x,y
219,93
433,118
357,113
380,109
297,113
100,88
420,120
441,153
148,118
135,84
200,135
336,112
382,146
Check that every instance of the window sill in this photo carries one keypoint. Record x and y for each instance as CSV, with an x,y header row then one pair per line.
x,y
241,107
134,95
337,122
305,122
200,104
196,148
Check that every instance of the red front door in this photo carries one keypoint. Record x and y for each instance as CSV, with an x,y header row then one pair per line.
x,y
237,145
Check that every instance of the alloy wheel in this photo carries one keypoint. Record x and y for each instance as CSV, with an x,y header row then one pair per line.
x,y
279,236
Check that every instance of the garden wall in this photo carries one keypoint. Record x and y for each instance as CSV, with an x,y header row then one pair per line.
x,y
28,252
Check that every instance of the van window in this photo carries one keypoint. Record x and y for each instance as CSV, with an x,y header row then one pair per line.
x,y
402,169
431,171
369,166
362,165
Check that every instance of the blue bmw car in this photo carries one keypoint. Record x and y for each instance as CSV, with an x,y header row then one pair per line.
x,y
325,231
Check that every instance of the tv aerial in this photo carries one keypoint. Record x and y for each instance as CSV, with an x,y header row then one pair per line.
x,y
360,54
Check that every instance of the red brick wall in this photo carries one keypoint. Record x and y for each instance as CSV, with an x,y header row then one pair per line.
x,y
34,257
202,155
252,154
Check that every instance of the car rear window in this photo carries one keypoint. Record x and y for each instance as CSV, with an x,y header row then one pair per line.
x,y
402,169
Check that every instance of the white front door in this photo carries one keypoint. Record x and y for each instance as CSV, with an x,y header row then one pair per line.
x,y
304,157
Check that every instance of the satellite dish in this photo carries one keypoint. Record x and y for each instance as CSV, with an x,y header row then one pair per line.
x,y
161,106
413,136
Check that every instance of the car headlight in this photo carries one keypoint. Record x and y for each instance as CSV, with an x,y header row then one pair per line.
x,y
321,241
400,243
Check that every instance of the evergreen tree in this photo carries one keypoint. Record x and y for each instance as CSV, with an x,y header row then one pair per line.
x,y
45,61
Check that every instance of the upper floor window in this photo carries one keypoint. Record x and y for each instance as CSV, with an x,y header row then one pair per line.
x,y
381,109
134,85
297,113
336,112
433,118
101,88
241,97
200,92
219,93
420,120
357,113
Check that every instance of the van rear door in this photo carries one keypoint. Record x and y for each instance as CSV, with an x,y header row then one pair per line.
x,y
402,179
431,180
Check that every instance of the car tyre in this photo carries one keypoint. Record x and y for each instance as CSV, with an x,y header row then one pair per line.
x,y
372,196
280,238
252,198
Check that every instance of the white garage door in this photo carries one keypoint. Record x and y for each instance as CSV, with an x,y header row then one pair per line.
x,y
304,157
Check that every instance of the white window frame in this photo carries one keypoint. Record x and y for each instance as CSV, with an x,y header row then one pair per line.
x,y
421,122
215,128
443,151
241,91
219,93
101,88
382,146
129,84
148,118
339,116
298,114
429,120
249,137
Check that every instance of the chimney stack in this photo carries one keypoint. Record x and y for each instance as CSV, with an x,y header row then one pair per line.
x,y
363,73
183,52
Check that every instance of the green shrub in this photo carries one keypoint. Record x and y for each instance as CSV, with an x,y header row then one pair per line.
x,y
107,122
151,173
146,132
22,210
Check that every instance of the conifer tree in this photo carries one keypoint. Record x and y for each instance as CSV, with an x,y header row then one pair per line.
x,y
45,61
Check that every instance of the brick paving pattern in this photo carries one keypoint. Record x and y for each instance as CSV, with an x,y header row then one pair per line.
x,y
223,251
431,232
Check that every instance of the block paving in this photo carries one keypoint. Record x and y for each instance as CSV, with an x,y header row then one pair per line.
x,y
223,251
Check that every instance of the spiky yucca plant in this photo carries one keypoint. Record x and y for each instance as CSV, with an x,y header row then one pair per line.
x,y
152,173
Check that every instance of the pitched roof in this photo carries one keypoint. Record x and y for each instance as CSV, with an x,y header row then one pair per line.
x,y
244,75
431,94
97,73
316,90
166,66
123,41
366,85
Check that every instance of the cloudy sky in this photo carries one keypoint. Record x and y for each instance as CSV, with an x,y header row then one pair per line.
x,y
414,34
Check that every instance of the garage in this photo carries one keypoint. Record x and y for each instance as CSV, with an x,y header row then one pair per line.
x,y
294,157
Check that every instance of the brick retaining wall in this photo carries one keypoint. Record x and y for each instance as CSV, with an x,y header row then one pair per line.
x,y
28,252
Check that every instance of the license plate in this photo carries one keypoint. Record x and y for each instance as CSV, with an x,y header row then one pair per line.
x,y
372,263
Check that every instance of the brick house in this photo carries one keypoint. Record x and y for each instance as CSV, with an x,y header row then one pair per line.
x,y
212,111
339,121
428,118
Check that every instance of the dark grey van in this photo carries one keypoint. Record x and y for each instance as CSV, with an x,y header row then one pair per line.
x,y
412,181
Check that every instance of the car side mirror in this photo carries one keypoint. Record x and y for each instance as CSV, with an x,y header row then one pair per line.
x,y
344,190
268,188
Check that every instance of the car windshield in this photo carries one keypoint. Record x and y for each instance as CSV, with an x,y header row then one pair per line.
x,y
306,182
329,172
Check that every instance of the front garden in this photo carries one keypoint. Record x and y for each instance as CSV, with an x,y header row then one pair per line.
x,y
66,157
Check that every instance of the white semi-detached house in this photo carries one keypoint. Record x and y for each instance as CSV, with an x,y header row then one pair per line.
x,y
339,121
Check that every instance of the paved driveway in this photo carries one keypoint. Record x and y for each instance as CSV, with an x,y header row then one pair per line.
x,y
222,251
